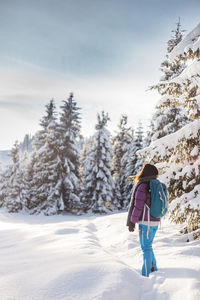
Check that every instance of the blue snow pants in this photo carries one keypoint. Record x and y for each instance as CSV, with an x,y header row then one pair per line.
x,y
146,240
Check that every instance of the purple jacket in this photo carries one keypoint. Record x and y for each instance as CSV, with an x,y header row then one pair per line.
x,y
142,196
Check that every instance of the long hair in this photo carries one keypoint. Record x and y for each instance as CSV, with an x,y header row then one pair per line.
x,y
146,171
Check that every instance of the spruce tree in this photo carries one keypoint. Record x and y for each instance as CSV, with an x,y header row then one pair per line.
x,y
69,131
148,134
30,184
97,177
43,175
47,175
177,154
85,164
26,145
120,143
12,183
40,136
168,68
2,190
169,116
132,164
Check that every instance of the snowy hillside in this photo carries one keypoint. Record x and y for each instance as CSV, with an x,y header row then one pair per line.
x,y
90,258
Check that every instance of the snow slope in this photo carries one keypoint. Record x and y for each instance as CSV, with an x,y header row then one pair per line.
x,y
92,257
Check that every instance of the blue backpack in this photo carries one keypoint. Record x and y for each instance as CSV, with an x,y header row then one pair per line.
x,y
159,198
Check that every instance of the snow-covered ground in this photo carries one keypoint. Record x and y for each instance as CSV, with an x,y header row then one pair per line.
x,y
92,257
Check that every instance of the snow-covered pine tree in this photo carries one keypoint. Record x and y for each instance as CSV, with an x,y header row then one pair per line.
x,y
85,164
168,68
4,177
177,155
148,134
120,144
26,145
98,179
47,175
30,183
186,86
69,130
43,172
132,164
176,38
39,139
2,189
169,116
24,160
12,183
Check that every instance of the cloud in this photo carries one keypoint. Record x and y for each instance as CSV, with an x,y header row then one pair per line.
x,y
82,37
29,89
7,104
106,52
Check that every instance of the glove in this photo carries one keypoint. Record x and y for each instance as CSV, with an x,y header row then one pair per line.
x,y
131,227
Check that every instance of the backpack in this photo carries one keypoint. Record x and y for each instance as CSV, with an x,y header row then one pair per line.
x,y
159,198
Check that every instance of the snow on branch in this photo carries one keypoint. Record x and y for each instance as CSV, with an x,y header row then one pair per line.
x,y
175,146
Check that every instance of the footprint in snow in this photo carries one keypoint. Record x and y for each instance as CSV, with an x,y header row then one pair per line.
x,y
67,231
92,227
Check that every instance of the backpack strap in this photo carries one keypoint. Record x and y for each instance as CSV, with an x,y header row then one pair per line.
x,y
148,210
148,218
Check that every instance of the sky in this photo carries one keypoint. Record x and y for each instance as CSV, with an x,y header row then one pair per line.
x,y
107,52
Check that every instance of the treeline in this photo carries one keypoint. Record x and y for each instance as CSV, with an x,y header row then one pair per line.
x,y
64,172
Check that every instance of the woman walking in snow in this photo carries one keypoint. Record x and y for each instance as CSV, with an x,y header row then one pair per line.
x,y
138,213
